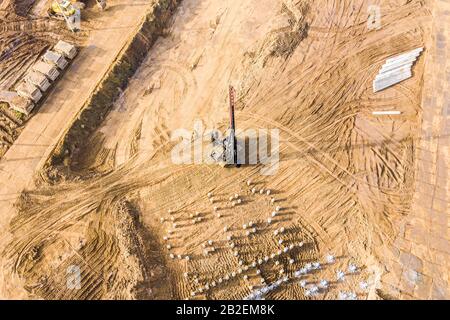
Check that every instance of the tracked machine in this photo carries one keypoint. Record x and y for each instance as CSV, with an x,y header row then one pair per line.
x,y
66,10
61,9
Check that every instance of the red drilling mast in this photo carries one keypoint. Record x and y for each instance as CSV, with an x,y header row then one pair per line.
x,y
231,154
232,94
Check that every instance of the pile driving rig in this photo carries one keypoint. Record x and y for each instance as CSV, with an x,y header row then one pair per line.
x,y
225,150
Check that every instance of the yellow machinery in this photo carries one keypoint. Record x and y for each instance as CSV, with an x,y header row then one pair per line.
x,y
70,10
61,9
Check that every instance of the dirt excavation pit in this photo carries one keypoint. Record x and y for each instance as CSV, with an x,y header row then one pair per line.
x,y
112,203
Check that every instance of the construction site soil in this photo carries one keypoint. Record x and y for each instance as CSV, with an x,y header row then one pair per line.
x,y
24,38
110,202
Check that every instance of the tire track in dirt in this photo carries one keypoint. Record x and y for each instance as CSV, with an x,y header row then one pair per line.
x,y
335,197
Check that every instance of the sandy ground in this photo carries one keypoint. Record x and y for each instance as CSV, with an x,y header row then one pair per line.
x,y
42,131
344,179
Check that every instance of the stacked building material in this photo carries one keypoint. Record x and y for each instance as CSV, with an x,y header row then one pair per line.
x,y
55,59
46,69
29,91
39,78
66,49
16,102
396,70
